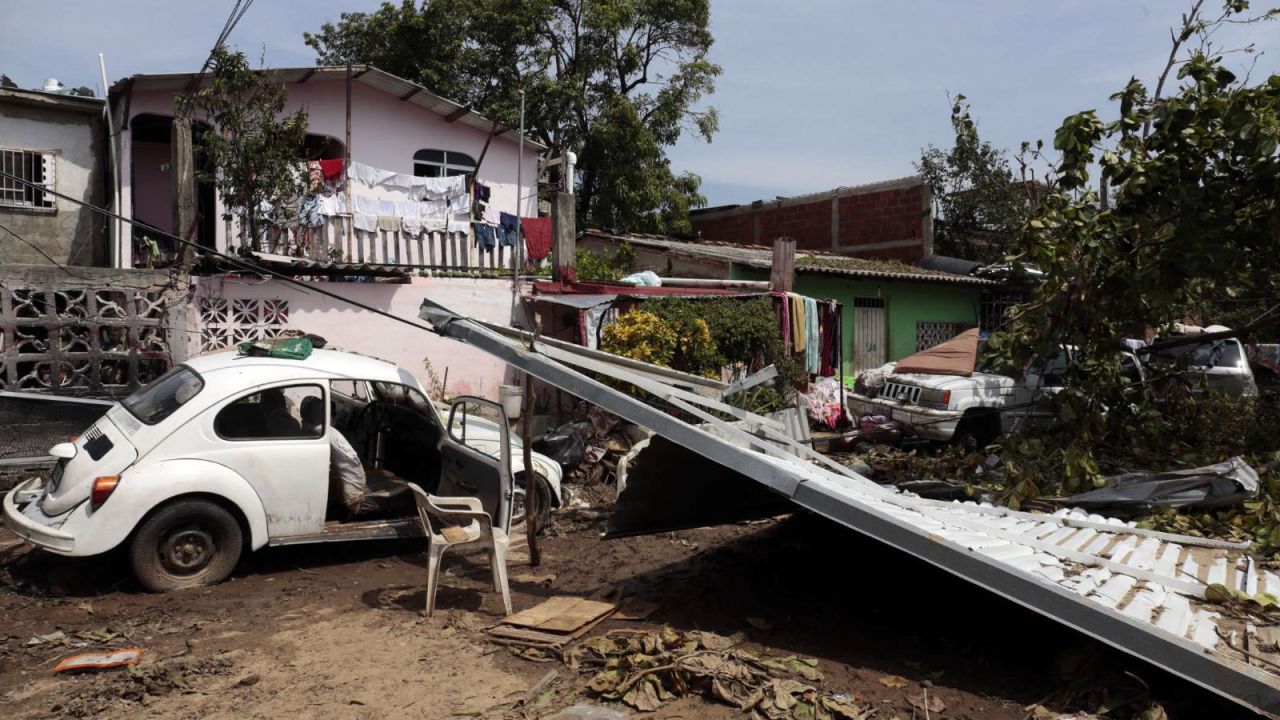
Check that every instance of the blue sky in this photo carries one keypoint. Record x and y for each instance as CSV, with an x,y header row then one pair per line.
x,y
815,93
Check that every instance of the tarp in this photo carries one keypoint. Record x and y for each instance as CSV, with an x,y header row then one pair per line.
x,y
956,356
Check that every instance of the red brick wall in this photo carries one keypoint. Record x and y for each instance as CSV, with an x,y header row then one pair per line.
x,y
872,217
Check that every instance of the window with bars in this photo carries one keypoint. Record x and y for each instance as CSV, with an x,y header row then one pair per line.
x,y
33,166
441,163
929,334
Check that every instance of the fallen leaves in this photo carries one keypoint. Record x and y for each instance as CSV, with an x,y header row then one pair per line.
x,y
894,681
645,669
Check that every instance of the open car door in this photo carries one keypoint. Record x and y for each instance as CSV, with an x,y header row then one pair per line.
x,y
467,468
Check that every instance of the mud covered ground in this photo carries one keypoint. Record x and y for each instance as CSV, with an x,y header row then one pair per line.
x,y
336,631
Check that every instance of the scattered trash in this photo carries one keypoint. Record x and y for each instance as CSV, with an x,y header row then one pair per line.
x,y
57,636
532,579
1226,483
593,455
98,661
644,669
894,681
926,703
564,444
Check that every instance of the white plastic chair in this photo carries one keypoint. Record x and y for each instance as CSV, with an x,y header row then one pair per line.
x,y
478,526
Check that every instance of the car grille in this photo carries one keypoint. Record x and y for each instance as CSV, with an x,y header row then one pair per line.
x,y
900,391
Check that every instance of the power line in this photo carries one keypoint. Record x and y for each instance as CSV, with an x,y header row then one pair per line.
x,y
235,261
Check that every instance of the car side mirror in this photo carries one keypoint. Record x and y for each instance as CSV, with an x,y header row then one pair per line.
x,y
63,450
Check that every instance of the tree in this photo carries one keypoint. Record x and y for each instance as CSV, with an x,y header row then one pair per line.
x,y
978,201
1195,176
252,147
616,81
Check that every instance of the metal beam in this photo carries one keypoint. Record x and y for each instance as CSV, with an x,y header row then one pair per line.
x,y
458,114
859,504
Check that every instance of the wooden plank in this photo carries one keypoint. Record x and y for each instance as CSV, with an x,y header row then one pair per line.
x,y
561,614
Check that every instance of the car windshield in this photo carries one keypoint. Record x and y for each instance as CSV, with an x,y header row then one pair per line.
x,y
166,394
1222,353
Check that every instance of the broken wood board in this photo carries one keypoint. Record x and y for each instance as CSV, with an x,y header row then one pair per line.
x,y
561,614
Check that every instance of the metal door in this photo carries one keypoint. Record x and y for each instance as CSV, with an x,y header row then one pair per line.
x,y
869,337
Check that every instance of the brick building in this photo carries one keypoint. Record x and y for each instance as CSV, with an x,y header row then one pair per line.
x,y
890,219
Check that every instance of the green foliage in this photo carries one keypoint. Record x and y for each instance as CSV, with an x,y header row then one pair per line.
x,y
604,265
253,147
979,202
1195,176
642,336
743,331
617,81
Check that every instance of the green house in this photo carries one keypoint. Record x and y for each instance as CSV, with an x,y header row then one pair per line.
x,y
891,309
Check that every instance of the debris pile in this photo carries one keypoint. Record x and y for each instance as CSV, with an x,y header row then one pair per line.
x,y
645,668
588,451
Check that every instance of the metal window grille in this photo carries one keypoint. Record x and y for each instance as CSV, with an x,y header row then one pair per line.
x,y
929,334
32,166
993,306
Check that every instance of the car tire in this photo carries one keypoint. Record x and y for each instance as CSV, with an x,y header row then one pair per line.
x,y
188,543
978,429
544,503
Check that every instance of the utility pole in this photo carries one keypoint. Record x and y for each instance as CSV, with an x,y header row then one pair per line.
x,y
182,163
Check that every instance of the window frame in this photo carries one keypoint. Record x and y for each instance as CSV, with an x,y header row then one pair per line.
x,y
48,204
151,420
445,164
324,431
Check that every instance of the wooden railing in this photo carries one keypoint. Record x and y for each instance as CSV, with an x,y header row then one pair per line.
x,y
335,241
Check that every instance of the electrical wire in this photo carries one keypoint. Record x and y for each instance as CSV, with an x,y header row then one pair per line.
x,y
231,259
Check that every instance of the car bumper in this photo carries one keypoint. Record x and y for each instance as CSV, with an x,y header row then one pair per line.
x,y
925,422
23,517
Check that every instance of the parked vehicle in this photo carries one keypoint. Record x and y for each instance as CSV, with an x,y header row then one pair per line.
x,y
230,451
1216,365
976,407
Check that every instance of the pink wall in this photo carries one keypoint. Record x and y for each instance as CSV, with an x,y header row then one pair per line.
x,y
385,133
350,328
150,171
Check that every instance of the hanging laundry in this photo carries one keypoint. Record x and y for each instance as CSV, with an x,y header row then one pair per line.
x,y
364,221
798,326
369,175
783,309
486,240
390,223
331,204
482,192
827,330
412,226
508,232
439,188
315,176
408,208
331,169
309,211
365,205
813,347
537,237
387,207
491,215
460,204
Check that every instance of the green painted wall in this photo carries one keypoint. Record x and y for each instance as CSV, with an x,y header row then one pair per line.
x,y
906,303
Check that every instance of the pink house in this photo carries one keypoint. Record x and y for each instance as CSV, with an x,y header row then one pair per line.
x,y
396,127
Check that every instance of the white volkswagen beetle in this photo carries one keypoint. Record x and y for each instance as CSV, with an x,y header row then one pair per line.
x,y
230,450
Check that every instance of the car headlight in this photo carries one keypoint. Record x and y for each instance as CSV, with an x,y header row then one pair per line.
x,y
935,397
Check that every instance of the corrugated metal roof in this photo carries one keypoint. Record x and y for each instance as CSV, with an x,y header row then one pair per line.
x,y
405,90
1139,590
304,266
758,256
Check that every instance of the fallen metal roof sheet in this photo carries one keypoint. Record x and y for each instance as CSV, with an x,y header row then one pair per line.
x,y
1138,590
304,266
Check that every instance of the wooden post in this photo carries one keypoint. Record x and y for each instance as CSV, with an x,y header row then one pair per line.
x,y
183,177
564,232
346,168
784,265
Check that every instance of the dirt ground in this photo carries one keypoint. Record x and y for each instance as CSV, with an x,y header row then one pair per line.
x,y
336,631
